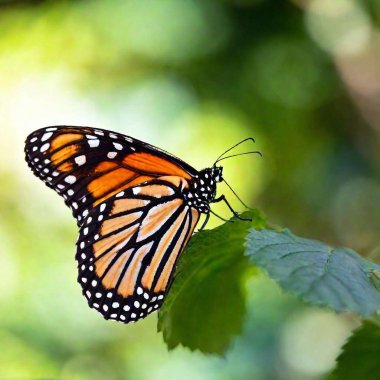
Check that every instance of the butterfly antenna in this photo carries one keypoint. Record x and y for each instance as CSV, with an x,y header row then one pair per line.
x,y
234,146
238,154
233,191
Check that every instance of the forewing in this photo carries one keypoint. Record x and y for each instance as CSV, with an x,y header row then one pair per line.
x,y
86,166
128,247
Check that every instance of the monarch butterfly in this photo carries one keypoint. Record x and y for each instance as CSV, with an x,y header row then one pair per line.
x,y
136,207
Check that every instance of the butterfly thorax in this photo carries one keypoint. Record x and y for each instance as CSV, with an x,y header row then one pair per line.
x,y
202,189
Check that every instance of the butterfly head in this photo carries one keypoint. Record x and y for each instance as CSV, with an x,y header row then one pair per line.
x,y
217,173
208,179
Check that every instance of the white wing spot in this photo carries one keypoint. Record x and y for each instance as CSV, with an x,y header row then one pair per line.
x,y
126,308
93,143
80,160
115,305
136,190
70,179
102,207
44,147
111,155
118,146
46,136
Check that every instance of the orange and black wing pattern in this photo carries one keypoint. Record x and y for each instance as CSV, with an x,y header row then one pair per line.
x,y
127,197
86,165
128,248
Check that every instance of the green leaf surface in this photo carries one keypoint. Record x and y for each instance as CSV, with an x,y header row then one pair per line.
x,y
316,273
360,358
205,306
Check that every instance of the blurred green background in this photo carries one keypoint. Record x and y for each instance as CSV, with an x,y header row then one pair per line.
x,y
193,77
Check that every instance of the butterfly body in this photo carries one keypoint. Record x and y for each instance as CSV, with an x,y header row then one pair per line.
x,y
202,190
136,207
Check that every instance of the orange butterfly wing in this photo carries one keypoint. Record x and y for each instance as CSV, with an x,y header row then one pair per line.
x,y
127,198
128,247
86,166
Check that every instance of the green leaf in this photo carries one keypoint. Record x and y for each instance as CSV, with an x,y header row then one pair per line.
x,y
360,358
316,273
205,306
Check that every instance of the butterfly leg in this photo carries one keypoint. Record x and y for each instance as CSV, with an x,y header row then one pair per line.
x,y
223,198
218,216
205,222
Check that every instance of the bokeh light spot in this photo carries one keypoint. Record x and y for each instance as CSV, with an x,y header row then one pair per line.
x,y
312,340
340,26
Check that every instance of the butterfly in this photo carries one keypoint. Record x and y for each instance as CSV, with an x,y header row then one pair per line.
x,y
136,207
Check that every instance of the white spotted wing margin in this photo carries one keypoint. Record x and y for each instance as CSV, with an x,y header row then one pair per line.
x,y
128,247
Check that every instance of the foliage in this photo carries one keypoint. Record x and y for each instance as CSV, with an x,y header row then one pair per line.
x,y
360,356
205,306
316,273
